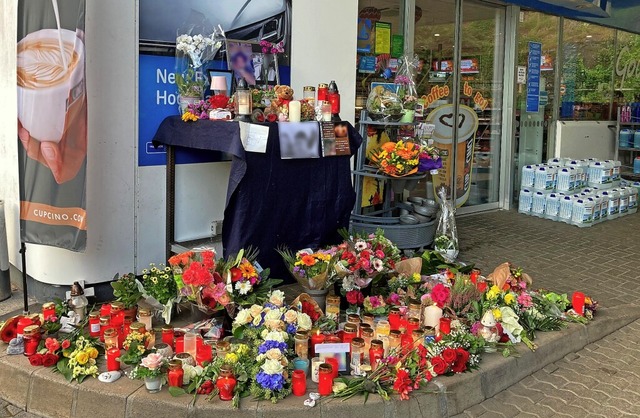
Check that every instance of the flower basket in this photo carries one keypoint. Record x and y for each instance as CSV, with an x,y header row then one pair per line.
x,y
319,305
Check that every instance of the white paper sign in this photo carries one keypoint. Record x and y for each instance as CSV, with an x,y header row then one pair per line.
x,y
254,137
522,74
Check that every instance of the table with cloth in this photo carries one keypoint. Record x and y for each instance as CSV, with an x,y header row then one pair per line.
x,y
271,202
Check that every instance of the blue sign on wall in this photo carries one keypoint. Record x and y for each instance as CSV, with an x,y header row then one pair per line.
x,y
158,98
533,76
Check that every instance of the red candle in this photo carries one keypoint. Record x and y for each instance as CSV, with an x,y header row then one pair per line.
x,y
179,345
350,332
48,310
322,91
333,362
325,376
176,373
167,335
298,383
113,359
22,324
316,338
117,314
577,301
226,383
445,325
376,353
204,353
105,310
31,339
394,318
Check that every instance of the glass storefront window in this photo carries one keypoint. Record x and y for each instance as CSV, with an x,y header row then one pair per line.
x,y
587,70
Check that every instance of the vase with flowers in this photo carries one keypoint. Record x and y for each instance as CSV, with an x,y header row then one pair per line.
x,y
152,369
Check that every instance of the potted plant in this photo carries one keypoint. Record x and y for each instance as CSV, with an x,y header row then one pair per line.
x,y
190,88
125,290
409,105
152,369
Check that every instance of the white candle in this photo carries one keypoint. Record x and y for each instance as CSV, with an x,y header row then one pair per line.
x,y
432,315
243,109
315,365
294,111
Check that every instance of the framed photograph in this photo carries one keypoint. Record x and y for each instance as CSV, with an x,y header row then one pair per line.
x,y
246,60
225,73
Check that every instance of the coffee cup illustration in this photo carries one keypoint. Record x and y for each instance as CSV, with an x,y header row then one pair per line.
x,y
48,82
443,119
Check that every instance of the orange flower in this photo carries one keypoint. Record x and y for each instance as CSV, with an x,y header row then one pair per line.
x,y
308,260
389,146
247,270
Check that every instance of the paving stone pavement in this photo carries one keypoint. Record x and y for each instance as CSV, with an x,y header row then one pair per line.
x,y
602,380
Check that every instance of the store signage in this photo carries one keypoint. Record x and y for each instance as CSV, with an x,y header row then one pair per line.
x,y
383,38
467,65
522,74
630,69
533,76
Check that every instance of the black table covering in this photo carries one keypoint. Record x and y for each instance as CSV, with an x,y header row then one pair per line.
x,y
272,202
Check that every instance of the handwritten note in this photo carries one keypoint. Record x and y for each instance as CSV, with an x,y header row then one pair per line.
x,y
254,137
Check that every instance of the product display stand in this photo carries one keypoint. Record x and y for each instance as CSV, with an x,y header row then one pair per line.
x,y
388,218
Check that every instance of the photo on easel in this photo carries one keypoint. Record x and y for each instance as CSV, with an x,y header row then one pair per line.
x,y
246,60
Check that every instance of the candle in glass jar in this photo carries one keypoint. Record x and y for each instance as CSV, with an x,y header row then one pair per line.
x,y
226,383
332,307
31,336
429,335
190,343
418,337
302,344
354,319
94,324
431,316
322,91
223,348
395,339
138,327
167,335
325,377
145,316
179,347
48,310
445,325
394,318
316,338
369,318
294,111
111,338
326,111
335,366
105,322
126,326
298,383
415,309
357,355
175,375
309,94
382,328
22,324
105,309
376,353
350,332
315,364
117,314
113,359
204,354
367,334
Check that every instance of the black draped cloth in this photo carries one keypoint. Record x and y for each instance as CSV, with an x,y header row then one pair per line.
x,y
271,202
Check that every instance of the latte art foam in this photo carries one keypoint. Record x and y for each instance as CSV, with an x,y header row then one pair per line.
x,y
40,64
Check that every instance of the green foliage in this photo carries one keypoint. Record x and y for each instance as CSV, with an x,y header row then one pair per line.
x,y
433,263
125,290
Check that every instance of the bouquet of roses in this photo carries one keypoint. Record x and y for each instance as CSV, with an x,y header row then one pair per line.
x,y
269,374
50,354
309,268
78,359
360,260
397,159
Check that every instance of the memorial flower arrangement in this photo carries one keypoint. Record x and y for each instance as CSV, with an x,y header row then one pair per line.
x,y
159,289
192,271
194,46
125,290
78,360
429,159
153,365
309,268
375,305
272,48
396,159
136,346
196,111
360,260
49,355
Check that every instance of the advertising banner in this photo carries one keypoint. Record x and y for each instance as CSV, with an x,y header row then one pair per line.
x,y
467,120
52,122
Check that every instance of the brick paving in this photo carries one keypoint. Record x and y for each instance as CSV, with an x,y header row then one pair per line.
x,y
602,380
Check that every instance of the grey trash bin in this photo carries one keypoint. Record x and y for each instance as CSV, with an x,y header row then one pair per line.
x,y
5,279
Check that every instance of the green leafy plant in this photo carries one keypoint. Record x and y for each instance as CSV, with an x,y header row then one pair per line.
x,y
125,290
189,85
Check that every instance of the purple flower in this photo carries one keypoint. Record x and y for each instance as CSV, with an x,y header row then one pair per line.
x,y
269,344
475,328
270,381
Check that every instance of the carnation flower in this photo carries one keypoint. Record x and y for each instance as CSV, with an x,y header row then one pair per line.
x,y
525,300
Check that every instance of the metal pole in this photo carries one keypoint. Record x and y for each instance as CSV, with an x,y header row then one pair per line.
x,y
5,274
457,57
23,252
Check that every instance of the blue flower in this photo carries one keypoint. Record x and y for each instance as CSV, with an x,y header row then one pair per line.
x,y
269,344
292,329
270,381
